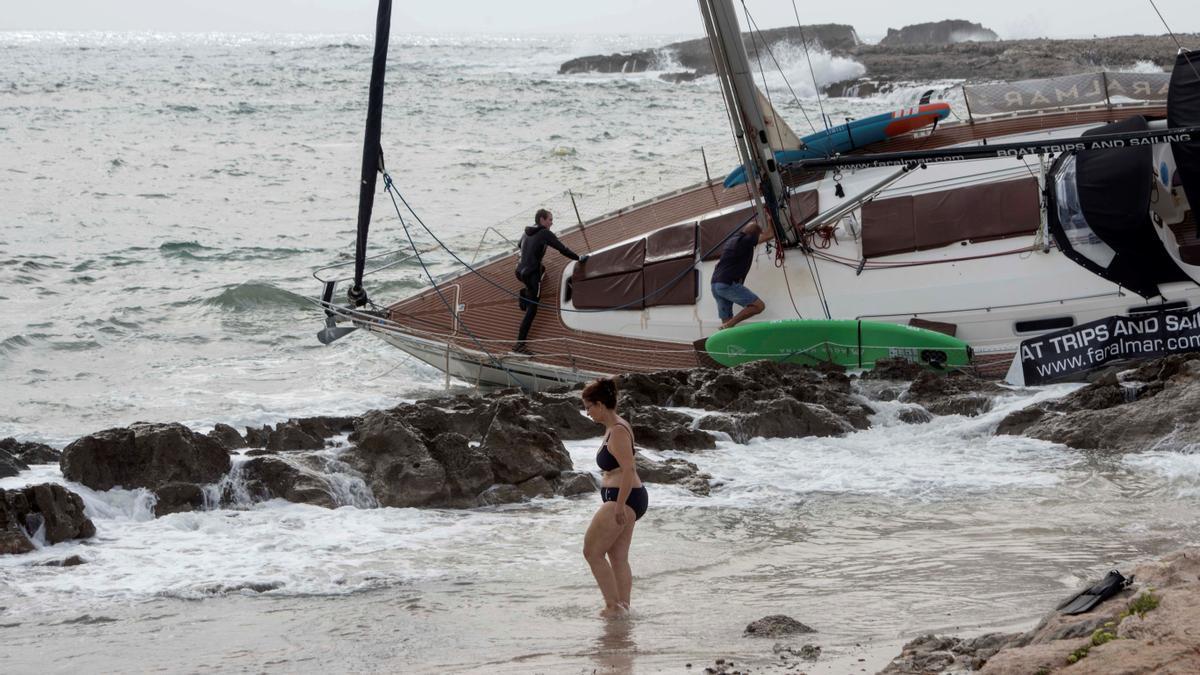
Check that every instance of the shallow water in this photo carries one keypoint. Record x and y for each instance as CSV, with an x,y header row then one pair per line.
x,y
167,196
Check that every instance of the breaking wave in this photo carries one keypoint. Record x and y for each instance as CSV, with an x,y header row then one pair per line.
x,y
254,295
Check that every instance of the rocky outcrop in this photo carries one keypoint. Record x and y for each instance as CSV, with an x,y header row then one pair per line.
x,y
521,446
306,433
394,461
948,32
696,58
674,472
51,510
914,54
1152,406
29,453
10,465
1148,628
144,455
955,393
228,437
655,427
276,477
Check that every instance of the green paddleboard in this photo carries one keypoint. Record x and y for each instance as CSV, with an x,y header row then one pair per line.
x,y
849,343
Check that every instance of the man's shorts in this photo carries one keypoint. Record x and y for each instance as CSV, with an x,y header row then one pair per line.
x,y
728,295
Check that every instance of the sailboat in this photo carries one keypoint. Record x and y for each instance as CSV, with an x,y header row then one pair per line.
x,y
1056,202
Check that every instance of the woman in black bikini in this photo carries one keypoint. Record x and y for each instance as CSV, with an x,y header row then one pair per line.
x,y
606,544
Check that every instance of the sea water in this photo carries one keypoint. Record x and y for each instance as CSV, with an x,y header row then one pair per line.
x,y
166,198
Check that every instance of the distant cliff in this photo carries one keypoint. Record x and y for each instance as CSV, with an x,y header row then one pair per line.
x,y
946,50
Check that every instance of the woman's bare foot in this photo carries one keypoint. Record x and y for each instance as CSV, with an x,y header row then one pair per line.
x,y
614,612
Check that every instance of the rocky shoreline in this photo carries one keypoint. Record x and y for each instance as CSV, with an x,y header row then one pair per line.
x,y
921,53
464,451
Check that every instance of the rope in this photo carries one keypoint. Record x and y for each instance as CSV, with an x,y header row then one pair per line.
x,y
813,73
778,67
389,186
1177,43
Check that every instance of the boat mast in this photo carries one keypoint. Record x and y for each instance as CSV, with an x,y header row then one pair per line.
x,y
372,156
749,126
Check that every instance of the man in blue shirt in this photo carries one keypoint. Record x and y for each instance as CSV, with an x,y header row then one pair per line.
x,y
731,271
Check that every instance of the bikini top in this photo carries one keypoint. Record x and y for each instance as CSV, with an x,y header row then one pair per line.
x,y
605,459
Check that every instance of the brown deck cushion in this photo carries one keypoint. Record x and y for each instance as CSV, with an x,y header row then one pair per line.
x,y
677,241
976,213
950,329
887,227
608,292
681,290
620,259
935,219
713,230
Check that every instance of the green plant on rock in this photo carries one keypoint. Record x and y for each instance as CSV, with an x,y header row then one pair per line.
x,y
1146,602
1102,635
1078,654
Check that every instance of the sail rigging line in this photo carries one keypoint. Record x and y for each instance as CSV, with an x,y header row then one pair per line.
x,y
665,287
389,187
779,67
1177,43
812,72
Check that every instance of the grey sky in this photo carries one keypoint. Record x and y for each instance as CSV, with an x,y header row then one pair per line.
x,y
1009,18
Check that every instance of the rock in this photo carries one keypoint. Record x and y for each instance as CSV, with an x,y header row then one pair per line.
x,y
915,416
307,433
268,478
776,625
69,561
663,429
256,437
571,483
645,389
784,417
29,453
1148,629
1122,414
954,393
395,462
1015,423
178,498
468,416
10,465
894,369
948,32
144,455
536,487
520,446
468,470
565,415
500,493
673,471
228,437
53,508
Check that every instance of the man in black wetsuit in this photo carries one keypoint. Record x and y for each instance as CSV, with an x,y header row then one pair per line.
x,y
731,271
529,270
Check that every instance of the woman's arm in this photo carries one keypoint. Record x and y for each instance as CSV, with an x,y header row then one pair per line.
x,y
621,447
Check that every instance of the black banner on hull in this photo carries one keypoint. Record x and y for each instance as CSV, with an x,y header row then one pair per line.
x,y
1060,355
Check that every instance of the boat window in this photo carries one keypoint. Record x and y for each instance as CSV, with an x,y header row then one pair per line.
x,y
1070,215
1041,325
